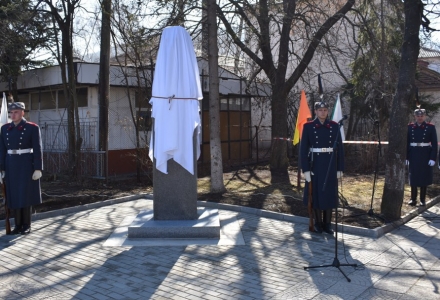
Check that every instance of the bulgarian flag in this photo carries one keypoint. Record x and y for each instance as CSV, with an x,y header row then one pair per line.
x,y
303,116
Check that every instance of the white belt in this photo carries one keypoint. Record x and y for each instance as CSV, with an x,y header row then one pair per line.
x,y
21,151
420,144
321,149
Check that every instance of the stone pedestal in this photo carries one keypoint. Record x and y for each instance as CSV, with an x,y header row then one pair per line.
x,y
206,225
175,193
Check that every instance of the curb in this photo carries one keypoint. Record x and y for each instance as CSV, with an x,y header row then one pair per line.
x,y
366,232
380,231
360,231
75,209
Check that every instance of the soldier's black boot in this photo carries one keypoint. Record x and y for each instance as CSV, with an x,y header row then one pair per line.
x,y
328,228
26,215
422,195
413,201
18,221
318,227
318,220
327,221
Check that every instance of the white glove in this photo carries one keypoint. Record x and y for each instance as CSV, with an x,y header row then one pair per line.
x,y
3,176
339,174
307,176
407,162
37,175
431,163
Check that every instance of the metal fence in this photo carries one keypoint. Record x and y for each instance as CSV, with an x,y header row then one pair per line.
x,y
92,163
54,136
55,145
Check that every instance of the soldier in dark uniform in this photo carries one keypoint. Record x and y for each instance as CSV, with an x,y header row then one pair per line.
x,y
317,142
421,155
20,165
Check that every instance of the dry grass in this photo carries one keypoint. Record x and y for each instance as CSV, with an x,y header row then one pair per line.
x,y
252,187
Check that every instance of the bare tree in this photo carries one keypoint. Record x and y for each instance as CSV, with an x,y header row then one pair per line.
x,y
217,185
275,27
62,14
104,78
135,49
379,35
392,197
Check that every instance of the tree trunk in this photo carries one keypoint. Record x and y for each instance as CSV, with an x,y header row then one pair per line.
x,y
217,185
205,30
278,156
66,76
276,70
72,113
104,81
395,168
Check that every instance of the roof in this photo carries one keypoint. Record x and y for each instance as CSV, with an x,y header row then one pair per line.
x,y
428,77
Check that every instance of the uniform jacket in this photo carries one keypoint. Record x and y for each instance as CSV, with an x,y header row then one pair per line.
x,y
21,190
420,173
317,135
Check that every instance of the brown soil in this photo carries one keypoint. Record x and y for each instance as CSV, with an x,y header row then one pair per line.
x,y
252,187
249,186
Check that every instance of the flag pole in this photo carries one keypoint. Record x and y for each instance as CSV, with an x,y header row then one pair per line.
x,y
298,177
303,116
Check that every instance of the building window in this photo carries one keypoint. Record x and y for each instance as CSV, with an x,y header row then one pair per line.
x,y
43,100
81,95
246,104
234,104
223,104
142,100
145,121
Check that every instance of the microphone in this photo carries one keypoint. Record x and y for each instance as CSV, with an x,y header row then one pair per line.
x,y
321,91
344,117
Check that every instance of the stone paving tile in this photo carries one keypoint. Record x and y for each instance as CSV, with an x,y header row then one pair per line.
x,y
392,285
307,289
431,280
67,255
421,292
378,294
344,290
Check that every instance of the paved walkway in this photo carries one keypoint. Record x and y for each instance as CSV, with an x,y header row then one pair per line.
x,y
65,258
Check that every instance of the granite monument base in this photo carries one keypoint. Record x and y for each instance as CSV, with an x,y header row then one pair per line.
x,y
207,225
175,193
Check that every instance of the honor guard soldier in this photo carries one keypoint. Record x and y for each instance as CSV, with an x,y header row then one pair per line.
x,y
317,142
20,165
421,155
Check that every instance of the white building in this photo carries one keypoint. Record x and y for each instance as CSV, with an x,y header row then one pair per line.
x,y
41,91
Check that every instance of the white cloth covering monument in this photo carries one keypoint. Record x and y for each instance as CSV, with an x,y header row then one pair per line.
x,y
175,144
174,148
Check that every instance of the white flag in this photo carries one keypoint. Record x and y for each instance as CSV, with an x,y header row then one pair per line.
x,y
337,116
4,111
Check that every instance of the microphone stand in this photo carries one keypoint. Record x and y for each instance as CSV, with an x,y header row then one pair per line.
x,y
335,262
371,212
378,154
